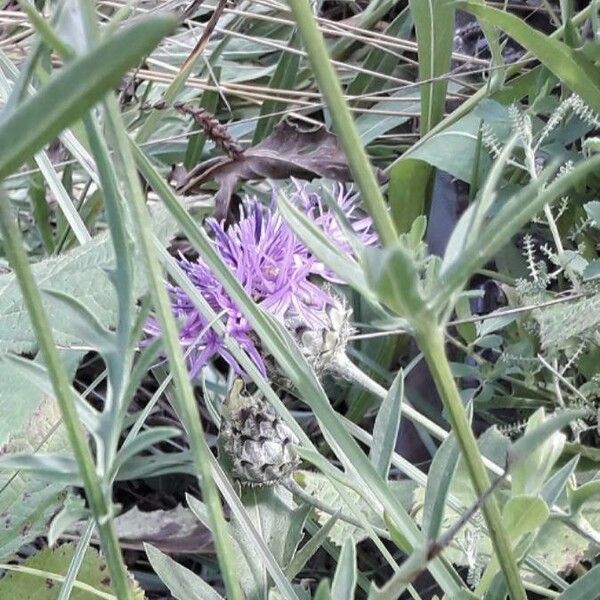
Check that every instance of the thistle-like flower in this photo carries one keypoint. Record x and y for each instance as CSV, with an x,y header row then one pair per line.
x,y
277,271
359,223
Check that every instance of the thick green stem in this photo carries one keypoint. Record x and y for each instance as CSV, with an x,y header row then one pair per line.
x,y
431,343
99,504
343,123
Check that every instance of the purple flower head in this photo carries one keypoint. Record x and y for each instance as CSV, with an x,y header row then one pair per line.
x,y
270,263
273,266
312,203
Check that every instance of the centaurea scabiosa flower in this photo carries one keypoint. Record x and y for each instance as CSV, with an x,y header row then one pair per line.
x,y
276,270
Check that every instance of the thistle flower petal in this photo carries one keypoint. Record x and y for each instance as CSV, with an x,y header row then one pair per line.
x,y
273,266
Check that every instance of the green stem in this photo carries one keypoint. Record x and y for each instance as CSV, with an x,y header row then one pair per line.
x,y
343,123
345,368
186,402
17,257
431,343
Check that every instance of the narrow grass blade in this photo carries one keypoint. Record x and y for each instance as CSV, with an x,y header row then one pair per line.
x,y
344,580
434,23
74,90
573,68
385,430
439,479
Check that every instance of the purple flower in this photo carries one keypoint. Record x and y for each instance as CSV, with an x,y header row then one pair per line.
x,y
273,267
316,209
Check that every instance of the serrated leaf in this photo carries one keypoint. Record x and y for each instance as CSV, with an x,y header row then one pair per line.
x,y
561,323
46,570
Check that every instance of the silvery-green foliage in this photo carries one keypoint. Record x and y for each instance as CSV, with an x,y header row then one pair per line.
x,y
281,527
81,272
321,487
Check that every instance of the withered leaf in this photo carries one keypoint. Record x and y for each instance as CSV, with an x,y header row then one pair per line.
x,y
173,531
289,151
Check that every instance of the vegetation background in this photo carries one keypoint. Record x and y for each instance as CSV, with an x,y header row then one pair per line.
x,y
432,428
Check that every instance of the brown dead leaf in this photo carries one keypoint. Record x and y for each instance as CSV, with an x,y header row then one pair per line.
x,y
172,531
288,151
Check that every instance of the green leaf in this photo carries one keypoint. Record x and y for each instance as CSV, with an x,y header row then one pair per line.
x,y
582,494
320,487
455,148
283,78
81,273
439,480
409,191
344,580
323,592
393,275
372,124
561,323
434,24
554,486
40,575
380,61
385,430
182,583
532,456
584,588
42,117
573,68
524,514
279,526
22,402
308,550
27,503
